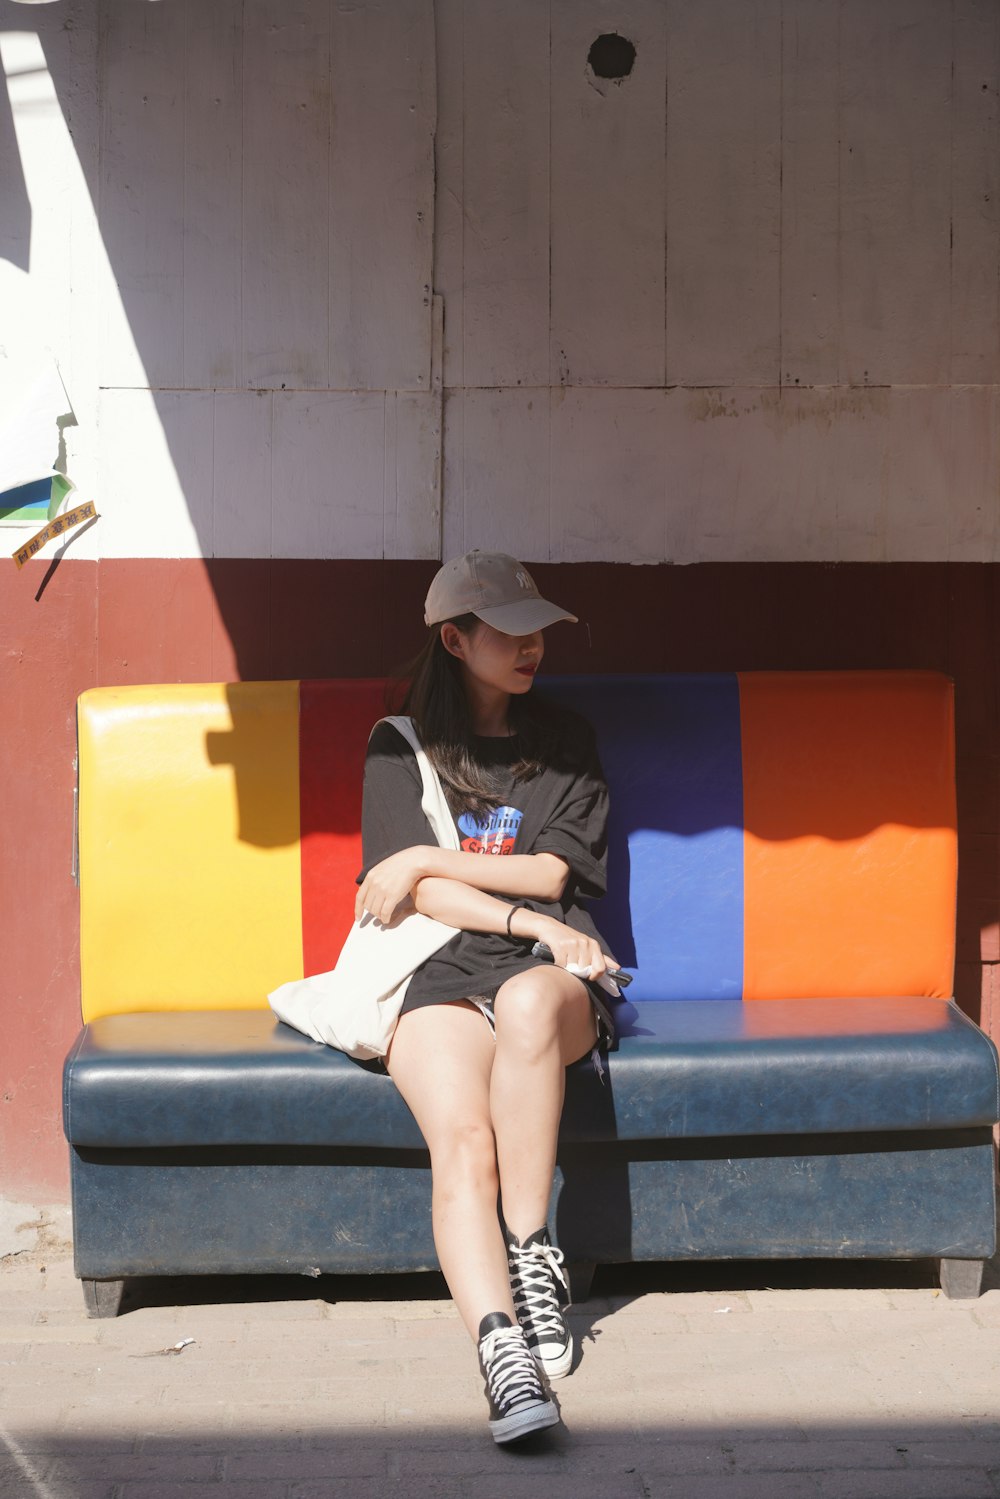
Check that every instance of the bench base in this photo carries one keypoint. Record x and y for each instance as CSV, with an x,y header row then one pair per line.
x,y
961,1280
103,1298
254,1210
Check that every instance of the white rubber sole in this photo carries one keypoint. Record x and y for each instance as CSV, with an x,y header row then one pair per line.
x,y
523,1423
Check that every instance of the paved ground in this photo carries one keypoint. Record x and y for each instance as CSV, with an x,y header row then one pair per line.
x,y
21,1225
840,1382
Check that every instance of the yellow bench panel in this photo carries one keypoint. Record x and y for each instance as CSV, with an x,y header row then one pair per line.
x,y
192,901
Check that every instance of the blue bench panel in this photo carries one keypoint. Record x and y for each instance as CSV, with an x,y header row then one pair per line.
x,y
674,911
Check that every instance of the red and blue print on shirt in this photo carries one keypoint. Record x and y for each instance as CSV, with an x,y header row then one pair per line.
x,y
493,833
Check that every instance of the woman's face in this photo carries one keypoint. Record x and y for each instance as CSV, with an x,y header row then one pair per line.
x,y
505,663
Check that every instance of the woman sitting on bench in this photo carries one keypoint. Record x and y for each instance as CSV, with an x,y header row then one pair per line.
x,y
489,1025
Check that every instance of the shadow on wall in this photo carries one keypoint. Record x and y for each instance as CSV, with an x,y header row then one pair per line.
x,y
15,221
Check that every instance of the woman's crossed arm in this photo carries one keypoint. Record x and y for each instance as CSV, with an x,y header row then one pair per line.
x,y
461,899
531,876
463,906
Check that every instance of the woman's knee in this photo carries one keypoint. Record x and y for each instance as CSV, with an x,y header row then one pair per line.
x,y
529,1011
464,1156
545,1010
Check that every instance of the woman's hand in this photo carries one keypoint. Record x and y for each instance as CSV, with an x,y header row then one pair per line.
x,y
389,884
573,949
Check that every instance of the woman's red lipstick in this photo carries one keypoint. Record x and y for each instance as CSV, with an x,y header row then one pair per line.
x,y
526,671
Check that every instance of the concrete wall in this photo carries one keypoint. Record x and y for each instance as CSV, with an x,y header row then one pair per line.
x,y
337,290
741,305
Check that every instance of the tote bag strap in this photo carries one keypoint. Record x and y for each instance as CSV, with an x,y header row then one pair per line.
x,y
433,802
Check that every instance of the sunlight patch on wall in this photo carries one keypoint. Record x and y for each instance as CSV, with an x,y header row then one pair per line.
x,y
45,317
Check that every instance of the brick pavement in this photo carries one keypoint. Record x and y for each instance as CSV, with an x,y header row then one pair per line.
x,y
850,1382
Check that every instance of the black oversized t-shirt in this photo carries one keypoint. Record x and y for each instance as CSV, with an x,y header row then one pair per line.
x,y
562,810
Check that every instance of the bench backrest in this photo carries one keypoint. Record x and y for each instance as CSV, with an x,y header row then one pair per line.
x,y
774,835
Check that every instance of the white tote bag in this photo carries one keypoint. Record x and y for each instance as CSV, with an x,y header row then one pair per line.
x,y
355,1007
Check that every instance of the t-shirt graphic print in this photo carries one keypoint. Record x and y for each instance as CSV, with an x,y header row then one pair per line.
x,y
561,811
496,833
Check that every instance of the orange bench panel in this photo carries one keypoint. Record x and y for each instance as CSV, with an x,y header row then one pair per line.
x,y
850,848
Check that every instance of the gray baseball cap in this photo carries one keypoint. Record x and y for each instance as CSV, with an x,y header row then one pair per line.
x,y
496,588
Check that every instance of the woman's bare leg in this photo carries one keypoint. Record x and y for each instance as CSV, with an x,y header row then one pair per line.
x,y
544,1021
440,1060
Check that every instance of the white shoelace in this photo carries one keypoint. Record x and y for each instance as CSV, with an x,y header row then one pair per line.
x,y
534,1273
511,1376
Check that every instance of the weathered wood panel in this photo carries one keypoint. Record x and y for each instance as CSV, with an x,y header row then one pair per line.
x,y
723,191
78,255
453,473
241,474
328,474
231,218
974,463
608,476
260,474
865,475
19,56
505,193
449,157
919,470
942,466
975,190
723,471
381,194
895,165
497,468
810,199
412,491
894,280
286,175
155,460
142,192
790,473
49,244
746,474
608,199
854,453
213,191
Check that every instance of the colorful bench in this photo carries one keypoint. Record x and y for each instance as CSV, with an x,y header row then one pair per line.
x,y
793,1077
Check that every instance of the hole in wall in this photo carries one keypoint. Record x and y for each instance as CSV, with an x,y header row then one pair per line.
x,y
611,56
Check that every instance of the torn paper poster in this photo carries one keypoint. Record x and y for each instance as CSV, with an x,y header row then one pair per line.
x,y
32,400
34,504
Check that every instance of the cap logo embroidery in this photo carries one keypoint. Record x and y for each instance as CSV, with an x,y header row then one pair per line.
x,y
522,579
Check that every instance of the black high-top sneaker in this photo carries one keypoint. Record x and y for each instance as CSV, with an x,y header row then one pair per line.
x,y
541,1293
518,1403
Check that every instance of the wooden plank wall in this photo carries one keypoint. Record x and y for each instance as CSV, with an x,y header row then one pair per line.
x,y
766,262
741,305
266,202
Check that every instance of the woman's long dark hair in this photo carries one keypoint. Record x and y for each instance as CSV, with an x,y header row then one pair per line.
x,y
430,690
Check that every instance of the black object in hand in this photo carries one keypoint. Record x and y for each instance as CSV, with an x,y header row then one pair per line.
x,y
543,950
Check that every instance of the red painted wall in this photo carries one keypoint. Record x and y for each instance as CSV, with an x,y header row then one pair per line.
x,y
161,621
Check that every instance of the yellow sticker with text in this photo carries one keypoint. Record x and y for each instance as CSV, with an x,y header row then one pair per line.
x,y
57,527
